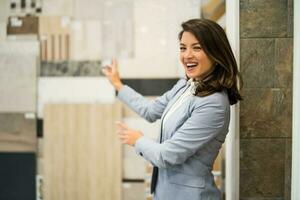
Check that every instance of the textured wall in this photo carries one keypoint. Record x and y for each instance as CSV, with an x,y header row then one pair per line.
x,y
266,39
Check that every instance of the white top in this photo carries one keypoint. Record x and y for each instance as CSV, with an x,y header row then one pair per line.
x,y
189,92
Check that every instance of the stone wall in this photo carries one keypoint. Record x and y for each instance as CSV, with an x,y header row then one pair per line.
x,y
266,50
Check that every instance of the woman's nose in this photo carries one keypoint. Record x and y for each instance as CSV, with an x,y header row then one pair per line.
x,y
188,53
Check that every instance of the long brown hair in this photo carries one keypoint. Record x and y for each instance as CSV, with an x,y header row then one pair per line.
x,y
215,44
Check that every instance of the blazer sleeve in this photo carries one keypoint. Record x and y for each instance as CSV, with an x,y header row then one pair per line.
x,y
149,110
205,123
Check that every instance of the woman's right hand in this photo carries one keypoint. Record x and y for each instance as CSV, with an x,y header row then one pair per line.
x,y
112,73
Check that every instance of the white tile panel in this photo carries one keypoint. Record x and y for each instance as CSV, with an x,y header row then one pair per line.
x,y
16,46
73,90
2,31
57,7
17,82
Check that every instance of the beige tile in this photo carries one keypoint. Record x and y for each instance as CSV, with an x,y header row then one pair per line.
x,y
58,7
134,191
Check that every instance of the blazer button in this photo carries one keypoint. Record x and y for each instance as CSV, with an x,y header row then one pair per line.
x,y
141,154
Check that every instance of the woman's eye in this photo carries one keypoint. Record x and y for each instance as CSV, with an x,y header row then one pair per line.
x,y
197,48
182,48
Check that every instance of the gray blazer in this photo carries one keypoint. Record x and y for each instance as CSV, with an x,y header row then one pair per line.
x,y
191,139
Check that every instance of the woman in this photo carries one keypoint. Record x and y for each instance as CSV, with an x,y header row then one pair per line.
x,y
195,115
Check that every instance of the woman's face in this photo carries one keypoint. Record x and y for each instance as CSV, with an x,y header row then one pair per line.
x,y
195,61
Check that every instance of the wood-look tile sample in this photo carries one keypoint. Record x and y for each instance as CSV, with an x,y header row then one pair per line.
x,y
18,83
85,40
82,152
134,165
54,33
134,191
23,25
17,133
73,90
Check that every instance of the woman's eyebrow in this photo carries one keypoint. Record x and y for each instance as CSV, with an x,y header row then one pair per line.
x,y
194,44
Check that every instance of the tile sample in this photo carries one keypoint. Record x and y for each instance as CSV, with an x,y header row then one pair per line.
x,y
4,10
16,46
2,31
17,176
57,7
134,165
73,90
254,14
23,25
88,11
82,153
118,23
156,52
85,40
17,133
151,87
54,32
18,83
71,68
134,191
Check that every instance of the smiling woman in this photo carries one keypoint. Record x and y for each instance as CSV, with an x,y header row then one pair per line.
x,y
194,115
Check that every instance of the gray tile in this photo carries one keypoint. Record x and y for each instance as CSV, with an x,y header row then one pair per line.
x,y
71,68
18,83
262,166
263,18
290,19
283,63
17,133
17,46
266,113
288,169
4,10
257,62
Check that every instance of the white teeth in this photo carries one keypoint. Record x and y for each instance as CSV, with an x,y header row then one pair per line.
x,y
191,64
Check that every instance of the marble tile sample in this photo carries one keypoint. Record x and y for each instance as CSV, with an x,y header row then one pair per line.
x,y
254,14
17,176
82,138
57,7
257,60
163,61
71,68
18,82
134,166
257,157
151,87
73,90
134,191
85,41
266,113
16,46
290,20
118,23
17,133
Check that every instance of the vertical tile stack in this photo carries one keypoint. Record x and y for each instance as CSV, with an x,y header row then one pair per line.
x,y
266,39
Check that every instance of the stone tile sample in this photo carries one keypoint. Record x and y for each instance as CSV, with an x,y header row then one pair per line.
x,y
290,20
73,90
71,68
85,40
17,133
134,191
257,157
2,31
257,62
288,169
4,10
283,63
266,113
18,83
134,166
266,18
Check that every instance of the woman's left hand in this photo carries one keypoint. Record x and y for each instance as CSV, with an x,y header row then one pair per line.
x,y
128,135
